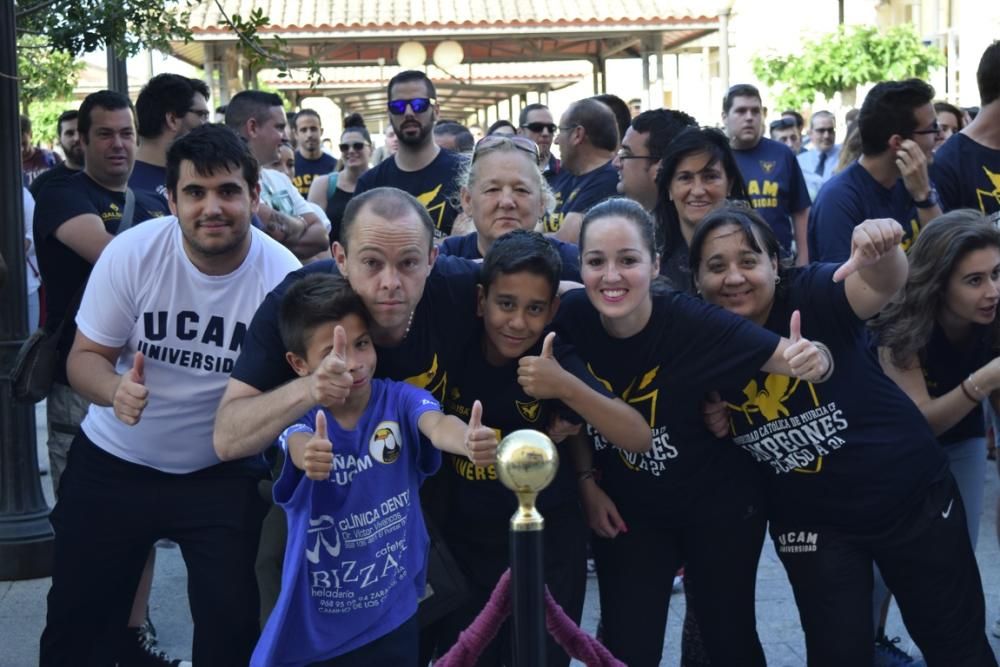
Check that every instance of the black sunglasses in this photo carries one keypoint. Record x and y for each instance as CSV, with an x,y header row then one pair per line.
x,y
418,104
933,129
537,128
357,146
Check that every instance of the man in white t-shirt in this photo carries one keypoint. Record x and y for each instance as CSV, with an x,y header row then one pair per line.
x,y
260,119
160,326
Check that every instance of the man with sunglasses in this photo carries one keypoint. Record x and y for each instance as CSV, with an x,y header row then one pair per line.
x,y
536,123
168,107
420,167
588,138
898,128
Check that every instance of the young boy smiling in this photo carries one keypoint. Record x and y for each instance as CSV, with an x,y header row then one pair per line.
x,y
356,558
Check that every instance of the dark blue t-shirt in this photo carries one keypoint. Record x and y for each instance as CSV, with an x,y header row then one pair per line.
x,y
443,322
467,246
64,272
775,185
947,364
578,194
435,186
967,175
306,170
687,349
149,178
847,200
849,453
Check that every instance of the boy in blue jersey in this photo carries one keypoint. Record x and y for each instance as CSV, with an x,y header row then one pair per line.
x,y
356,558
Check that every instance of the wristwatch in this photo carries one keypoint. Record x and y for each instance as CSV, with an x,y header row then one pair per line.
x,y
930,202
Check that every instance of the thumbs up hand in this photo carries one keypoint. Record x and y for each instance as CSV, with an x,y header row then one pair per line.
x,y
331,382
870,241
317,459
131,395
808,360
480,441
541,377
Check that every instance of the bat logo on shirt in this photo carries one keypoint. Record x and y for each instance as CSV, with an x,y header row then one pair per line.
x,y
320,526
768,166
430,380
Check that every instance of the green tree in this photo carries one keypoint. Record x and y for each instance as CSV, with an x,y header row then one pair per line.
x,y
45,73
843,60
44,116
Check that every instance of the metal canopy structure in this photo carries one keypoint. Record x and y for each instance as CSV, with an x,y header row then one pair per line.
x,y
532,40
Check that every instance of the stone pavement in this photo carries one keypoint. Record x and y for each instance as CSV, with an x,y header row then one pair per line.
x,y
22,604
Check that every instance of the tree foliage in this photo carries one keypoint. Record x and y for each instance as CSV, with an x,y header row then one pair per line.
x,y
44,116
842,60
82,26
44,73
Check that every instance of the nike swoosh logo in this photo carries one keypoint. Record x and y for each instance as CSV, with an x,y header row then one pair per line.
x,y
947,511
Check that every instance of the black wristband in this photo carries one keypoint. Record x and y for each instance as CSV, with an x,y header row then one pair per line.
x,y
930,202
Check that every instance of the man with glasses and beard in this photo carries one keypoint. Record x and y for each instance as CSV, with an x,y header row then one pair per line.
x,y
419,167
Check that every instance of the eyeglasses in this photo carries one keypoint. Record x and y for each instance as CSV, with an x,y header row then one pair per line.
x,y
488,143
418,104
824,130
622,155
933,129
357,147
538,128
201,113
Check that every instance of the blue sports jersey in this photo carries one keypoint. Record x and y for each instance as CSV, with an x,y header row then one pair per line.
x,y
356,558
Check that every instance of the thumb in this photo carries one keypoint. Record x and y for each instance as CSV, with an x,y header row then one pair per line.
x,y
476,417
138,368
320,425
795,327
714,397
547,345
339,342
844,270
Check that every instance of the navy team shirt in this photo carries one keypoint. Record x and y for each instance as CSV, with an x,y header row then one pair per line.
x,y
687,349
967,175
775,185
850,453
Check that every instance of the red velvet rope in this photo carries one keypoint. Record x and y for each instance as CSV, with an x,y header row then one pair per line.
x,y
474,639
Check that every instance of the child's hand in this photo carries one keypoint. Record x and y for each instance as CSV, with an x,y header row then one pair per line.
x,y
318,456
540,377
330,383
480,441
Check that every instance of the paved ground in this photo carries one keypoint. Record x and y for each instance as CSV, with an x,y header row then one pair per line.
x,y
22,604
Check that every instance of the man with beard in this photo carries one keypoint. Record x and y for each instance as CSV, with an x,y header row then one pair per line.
x,y
168,107
310,160
537,124
419,167
69,140
160,327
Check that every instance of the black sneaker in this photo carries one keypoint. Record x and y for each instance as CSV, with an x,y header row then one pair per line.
x,y
138,649
887,654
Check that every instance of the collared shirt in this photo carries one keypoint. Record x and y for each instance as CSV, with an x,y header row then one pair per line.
x,y
809,162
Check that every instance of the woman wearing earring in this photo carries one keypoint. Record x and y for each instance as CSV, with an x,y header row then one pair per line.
x,y
332,191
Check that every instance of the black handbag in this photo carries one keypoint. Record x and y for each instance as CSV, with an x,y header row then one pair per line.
x,y
34,368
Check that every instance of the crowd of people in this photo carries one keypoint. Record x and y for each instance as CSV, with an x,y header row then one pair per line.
x,y
297,368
